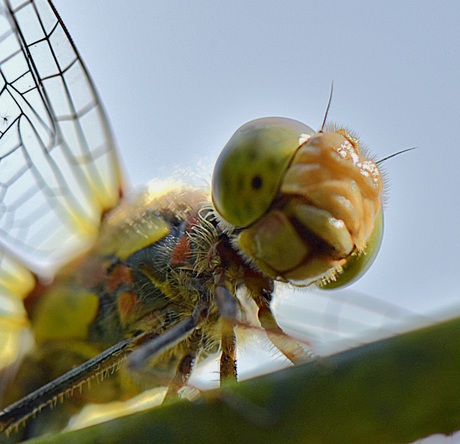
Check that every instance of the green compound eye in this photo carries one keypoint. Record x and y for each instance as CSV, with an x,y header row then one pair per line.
x,y
250,168
358,264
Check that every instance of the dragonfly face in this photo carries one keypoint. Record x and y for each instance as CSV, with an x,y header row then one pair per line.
x,y
165,278
309,204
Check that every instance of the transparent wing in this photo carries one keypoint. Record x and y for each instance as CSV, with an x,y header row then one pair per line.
x,y
333,321
58,166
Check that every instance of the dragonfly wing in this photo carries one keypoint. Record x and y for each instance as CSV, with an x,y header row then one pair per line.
x,y
59,170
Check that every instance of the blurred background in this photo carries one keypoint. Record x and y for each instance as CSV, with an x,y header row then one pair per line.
x,y
178,78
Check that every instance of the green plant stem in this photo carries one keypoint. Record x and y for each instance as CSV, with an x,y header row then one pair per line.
x,y
394,390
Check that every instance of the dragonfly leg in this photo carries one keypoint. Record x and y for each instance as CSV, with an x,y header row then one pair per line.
x,y
138,360
228,371
281,340
229,312
185,367
48,397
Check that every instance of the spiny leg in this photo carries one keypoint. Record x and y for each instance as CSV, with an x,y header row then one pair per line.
x,y
139,359
228,371
282,341
184,369
228,310
60,388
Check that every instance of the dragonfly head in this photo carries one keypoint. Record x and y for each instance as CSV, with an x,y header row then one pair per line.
x,y
305,206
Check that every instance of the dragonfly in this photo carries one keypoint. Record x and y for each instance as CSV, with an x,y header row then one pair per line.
x,y
94,280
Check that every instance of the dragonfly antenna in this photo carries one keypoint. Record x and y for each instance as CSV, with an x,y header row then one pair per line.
x,y
394,155
327,108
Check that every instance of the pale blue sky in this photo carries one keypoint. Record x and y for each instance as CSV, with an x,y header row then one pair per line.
x,y
178,78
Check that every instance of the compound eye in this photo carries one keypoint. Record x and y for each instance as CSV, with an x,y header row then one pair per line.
x,y
250,168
